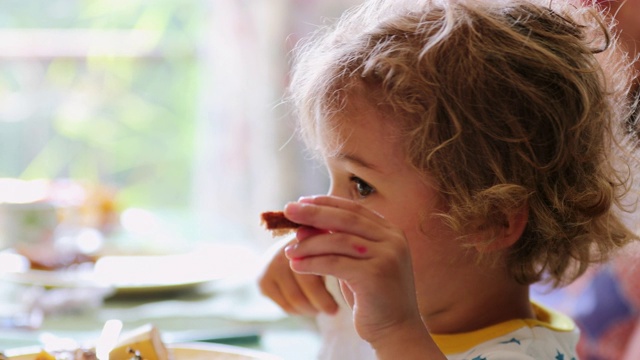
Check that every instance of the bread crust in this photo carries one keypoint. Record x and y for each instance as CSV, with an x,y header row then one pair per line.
x,y
277,223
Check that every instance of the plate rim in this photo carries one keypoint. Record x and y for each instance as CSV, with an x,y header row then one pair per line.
x,y
60,281
232,349
86,278
197,346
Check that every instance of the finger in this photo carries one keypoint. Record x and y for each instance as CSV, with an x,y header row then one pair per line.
x,y
314,288
360,222
310,257
331,244
334,201
286,293
307,231
342,203
294,297
333,265
271,290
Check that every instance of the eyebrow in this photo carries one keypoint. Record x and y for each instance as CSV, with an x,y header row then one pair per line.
x,y
357,160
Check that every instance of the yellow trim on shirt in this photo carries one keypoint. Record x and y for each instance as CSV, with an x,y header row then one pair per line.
x,y
456,343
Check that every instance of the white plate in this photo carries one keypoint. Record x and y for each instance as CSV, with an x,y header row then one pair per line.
x,y
145,274
186,351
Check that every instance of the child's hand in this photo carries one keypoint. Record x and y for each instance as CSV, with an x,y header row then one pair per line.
x,y
368,254
302,294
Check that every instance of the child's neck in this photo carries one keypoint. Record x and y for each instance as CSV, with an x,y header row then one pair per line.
x,y
479,309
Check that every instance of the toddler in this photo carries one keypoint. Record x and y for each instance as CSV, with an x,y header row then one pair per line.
x,y
475,147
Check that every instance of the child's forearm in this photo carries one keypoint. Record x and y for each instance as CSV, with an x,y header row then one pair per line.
x,y
410,342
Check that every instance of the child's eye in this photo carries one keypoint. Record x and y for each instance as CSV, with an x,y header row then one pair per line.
x,y
362,188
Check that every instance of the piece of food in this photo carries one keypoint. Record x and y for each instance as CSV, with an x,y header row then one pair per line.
x,y
144,342
277,223
78,354
48,257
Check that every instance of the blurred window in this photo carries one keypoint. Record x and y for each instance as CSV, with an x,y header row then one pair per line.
x,y
103,91
176,104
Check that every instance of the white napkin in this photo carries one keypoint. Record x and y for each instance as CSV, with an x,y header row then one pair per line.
x,y
339,337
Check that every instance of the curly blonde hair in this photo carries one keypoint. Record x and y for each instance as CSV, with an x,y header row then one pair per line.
x,y
505,104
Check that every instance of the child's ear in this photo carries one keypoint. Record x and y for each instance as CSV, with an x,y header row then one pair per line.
x,y
507,233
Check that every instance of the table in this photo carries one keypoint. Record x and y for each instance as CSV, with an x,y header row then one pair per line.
x,y
231,312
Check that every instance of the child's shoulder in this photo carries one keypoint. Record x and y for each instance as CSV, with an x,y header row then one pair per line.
x,y
534,343
549,335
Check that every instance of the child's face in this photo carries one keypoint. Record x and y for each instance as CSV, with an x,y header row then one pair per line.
x,y
371,169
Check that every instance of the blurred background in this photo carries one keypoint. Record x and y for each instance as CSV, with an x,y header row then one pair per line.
x,y
136,128
165,116
145,127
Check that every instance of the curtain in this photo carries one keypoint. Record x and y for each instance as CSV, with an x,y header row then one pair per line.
x,y
249,158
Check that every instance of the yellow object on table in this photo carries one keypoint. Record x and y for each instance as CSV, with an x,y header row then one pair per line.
x,y
144,341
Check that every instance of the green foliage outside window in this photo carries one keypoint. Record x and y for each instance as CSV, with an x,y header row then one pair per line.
x,y
125,121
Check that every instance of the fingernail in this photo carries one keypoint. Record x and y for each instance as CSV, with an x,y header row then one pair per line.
x,y
289,248
292,207
307,199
